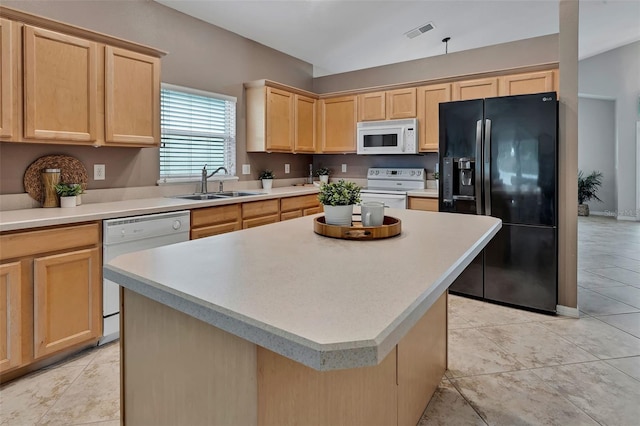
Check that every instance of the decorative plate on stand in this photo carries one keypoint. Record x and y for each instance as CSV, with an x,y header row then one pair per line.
x,y
71,171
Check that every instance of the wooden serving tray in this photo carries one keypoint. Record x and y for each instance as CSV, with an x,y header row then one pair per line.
x,y
390,227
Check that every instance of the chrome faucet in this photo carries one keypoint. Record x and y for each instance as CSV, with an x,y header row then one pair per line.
x,y
203,182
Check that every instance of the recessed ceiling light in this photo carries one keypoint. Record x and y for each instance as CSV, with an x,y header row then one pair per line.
x,y
420,30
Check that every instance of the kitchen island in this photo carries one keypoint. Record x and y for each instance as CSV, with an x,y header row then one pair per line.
x,y
278,325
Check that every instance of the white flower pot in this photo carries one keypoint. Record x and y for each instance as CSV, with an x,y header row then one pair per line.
x,y
267,184
338,215
78,199
324,178
68,201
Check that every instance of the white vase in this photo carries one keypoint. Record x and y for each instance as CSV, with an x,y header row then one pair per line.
x,y
324,178
78,199
267,184
338,215
68,201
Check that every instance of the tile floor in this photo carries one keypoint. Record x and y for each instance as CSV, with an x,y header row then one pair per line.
x,y
506,366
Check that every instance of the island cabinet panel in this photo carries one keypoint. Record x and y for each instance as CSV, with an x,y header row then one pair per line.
x,y
210,221
60,87
67,300
258,213
8,79
420,203
522,84
60,294
475,89
428,106
10,316
212,374
290,393
337,129
132,98
422,361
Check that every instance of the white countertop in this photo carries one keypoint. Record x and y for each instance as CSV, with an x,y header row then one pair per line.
x,y
326,303
38,217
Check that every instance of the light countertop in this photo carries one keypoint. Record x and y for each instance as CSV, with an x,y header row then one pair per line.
x,y
38,217
326,303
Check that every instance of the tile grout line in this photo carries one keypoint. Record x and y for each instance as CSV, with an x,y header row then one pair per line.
x,y
456,387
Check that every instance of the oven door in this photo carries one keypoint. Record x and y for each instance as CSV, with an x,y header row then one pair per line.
x,y
393,201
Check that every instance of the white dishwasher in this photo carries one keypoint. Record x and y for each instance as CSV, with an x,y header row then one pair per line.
x,y
126,235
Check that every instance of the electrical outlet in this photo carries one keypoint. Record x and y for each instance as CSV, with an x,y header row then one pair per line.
x,y
344,168
287,168
99,172
246,169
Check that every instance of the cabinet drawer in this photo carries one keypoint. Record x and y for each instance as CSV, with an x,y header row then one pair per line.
x,y
208,231
312,210
427,204
19,244
290,215
301,202
215,215
259,221
260,208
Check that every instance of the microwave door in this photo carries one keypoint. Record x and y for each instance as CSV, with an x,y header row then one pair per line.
x,y
381,140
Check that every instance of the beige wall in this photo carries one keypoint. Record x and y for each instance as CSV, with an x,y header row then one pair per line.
x,y
199,55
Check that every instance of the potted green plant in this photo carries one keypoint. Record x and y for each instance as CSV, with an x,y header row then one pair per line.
x,y
67,193
338,199
323,174
587,190
436,176
267,177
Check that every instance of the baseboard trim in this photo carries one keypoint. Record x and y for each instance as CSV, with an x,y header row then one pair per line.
x,y
601,213
629,218
567,311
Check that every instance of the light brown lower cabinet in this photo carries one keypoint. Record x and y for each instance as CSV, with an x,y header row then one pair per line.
x,y
426,204
215,220
302,205
258,213
50,295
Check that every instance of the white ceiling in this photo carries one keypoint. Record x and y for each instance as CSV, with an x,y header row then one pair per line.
x,y
340,36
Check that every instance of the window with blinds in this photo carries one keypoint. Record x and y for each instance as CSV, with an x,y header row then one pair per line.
x,y
197,128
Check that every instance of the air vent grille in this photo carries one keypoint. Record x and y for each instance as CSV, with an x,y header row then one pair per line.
x,y
420,30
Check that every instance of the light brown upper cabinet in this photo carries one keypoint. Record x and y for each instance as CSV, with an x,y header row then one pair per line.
x,y
60,87
475,89
533,82
61,84
429,98
337,129
279,118
132,98
387,105
7,79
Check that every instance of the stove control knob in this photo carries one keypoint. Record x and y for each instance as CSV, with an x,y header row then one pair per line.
x,y
177,224
413,172
419,172
377,171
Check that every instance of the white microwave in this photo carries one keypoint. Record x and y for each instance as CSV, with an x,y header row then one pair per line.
x,y
388,137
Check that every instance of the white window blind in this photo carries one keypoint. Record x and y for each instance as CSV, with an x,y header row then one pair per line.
x,y
197,128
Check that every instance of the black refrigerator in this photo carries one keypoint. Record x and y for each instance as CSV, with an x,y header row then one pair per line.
x,y
498,157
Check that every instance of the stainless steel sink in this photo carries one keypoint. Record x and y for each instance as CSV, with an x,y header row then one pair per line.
x,y
217,195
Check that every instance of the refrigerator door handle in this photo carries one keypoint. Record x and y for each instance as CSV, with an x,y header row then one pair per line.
x,y
487,167
478,177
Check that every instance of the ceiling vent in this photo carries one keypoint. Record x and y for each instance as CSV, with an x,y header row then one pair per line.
x,y
420,30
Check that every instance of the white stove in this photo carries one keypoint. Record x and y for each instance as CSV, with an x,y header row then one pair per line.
x,y
390,185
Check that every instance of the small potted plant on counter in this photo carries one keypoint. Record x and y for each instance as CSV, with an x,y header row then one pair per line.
x,y
267,177
323,174
338,199
587,189
436,176
67,193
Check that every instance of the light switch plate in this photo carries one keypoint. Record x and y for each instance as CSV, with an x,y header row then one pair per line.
x,y
344,168
287,168
99,172
246,169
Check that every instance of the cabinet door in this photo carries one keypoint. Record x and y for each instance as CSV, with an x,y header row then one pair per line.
x,y
67,300
7,79
426,204
338,124
429,98
10,316
60,86
401,103
305,124
523,84
279,120
132,98
290,215
475,89
259,221
372,106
